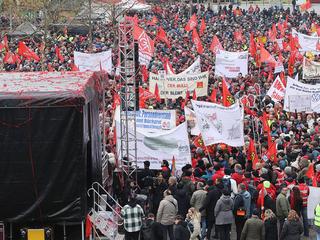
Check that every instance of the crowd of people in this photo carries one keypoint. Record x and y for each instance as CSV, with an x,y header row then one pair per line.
x,y
219,187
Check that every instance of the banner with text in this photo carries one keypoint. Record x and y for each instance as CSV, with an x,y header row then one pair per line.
x,y
301,97
311,69
219,124
191,121
155,147
277,90
174,86
313,200
194,68
230,64
152,120
307,43
93,61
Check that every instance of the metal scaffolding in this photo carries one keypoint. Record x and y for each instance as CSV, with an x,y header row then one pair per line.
x,y
128,61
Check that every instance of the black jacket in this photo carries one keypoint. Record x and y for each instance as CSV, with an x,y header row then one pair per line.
x,y
211,201
271,229
183,201
181,231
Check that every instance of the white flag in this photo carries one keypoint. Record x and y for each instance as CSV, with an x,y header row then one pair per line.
x,y
277,90
219,124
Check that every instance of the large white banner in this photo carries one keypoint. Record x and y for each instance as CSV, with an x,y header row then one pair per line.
x,y
307,43
230,64
313,200
93,61
277,90
194,68
191,121
311,69
301,97
219,124
151,120
155,147
174,86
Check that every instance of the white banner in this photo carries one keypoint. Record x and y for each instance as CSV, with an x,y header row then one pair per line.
x,y
277,90
230,64
155,147
307,43
194,68
105,222
313,200
219,124
174,86
93,61
301,97
192,121
151,120
278,67
311,69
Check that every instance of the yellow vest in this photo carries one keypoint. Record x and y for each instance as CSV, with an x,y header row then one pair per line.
x,y
317,216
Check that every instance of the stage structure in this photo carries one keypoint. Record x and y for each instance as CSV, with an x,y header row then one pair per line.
x,y
129,92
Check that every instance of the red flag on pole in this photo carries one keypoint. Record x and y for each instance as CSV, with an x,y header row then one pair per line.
x,y
173,167
215,45
252,154
227,98
265,56
310,174
203,27
197,41
193,22
252,46
58,53
162,36
194,95
26,52
10,58
156,93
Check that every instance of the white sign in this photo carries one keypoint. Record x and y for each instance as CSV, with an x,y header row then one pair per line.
x,y
277,90
93,61
219,124
194,68
192,121
308,97
307,43
155,147
174,86
311,69
278,67
230,64
313,200
105,222
152,120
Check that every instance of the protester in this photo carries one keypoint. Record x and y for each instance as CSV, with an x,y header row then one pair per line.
x,y
295,200
166,214
193,220
223,215
283,207
253,228
132,215
181,231
304,190
292,228
270,225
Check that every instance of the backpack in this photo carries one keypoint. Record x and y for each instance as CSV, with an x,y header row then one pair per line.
x,y
241,211
226,184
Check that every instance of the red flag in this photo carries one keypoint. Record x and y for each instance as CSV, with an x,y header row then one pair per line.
x,y
213,96
291,63
252,154
156,93
238,36
58,53
10,58
162,36
50,68
305,6
310,174
88,226
74,67
265,124
5,42
203,27
197,41
26,52
194,95
282,78
272,149
227,98
215,45
193,22
265,56
153,21
252,46
145,73
116,100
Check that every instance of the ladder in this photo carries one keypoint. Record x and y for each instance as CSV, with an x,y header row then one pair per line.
x,y
104,214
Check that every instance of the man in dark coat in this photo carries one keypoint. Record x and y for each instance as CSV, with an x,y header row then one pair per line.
x,y
210,203
181,231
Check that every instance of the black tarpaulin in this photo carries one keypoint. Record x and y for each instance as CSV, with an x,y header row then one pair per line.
x,y
50,149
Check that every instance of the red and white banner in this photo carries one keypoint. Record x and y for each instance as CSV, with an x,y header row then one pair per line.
x,y
230,64
307,43
146,45
277,90
94,61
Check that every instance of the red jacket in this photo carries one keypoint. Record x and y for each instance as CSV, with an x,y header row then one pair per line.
x,y
217,175
272,191
237,177
304,190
